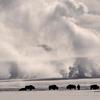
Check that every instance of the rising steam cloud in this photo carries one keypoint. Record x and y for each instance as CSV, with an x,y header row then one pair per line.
x,y
48,38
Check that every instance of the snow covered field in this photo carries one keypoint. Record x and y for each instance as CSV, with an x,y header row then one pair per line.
x,y
51,95
42,85
42,92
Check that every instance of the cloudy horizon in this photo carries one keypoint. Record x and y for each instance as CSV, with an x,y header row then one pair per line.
x,y
49,39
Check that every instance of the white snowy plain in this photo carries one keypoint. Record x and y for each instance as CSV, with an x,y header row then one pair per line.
x,y
51,95
61,94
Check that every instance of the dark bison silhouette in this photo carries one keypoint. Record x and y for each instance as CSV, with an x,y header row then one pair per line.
x,y
71,86
28,87
22,89
94,87
53,87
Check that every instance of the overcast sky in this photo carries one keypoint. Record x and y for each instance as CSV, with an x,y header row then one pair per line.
x,y
49,38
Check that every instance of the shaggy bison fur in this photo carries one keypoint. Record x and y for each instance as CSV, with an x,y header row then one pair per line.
x,y
53,87
71,86
28,87
94,87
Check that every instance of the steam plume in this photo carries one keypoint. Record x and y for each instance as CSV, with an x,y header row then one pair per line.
x,y
46,39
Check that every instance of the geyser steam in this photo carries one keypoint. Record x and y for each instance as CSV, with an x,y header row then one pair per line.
x,y
47,39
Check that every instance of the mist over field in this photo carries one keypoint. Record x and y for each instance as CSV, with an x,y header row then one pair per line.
x,y
49,39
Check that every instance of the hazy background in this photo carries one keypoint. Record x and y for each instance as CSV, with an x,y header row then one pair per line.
x,y
49,38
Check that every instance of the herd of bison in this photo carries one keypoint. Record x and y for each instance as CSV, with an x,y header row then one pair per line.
x,y
55,87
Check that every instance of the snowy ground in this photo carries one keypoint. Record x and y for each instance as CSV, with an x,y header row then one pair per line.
x,y
51,95
42,93
13,85
42,85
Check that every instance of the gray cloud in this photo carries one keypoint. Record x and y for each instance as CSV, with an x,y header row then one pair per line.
x,y
39,39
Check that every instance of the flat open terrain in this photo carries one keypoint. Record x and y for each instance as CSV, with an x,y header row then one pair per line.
x,y
42,85
51,95
9,90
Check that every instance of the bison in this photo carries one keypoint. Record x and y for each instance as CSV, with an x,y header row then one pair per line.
x,y
53,87
29,87
94,87
71,86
